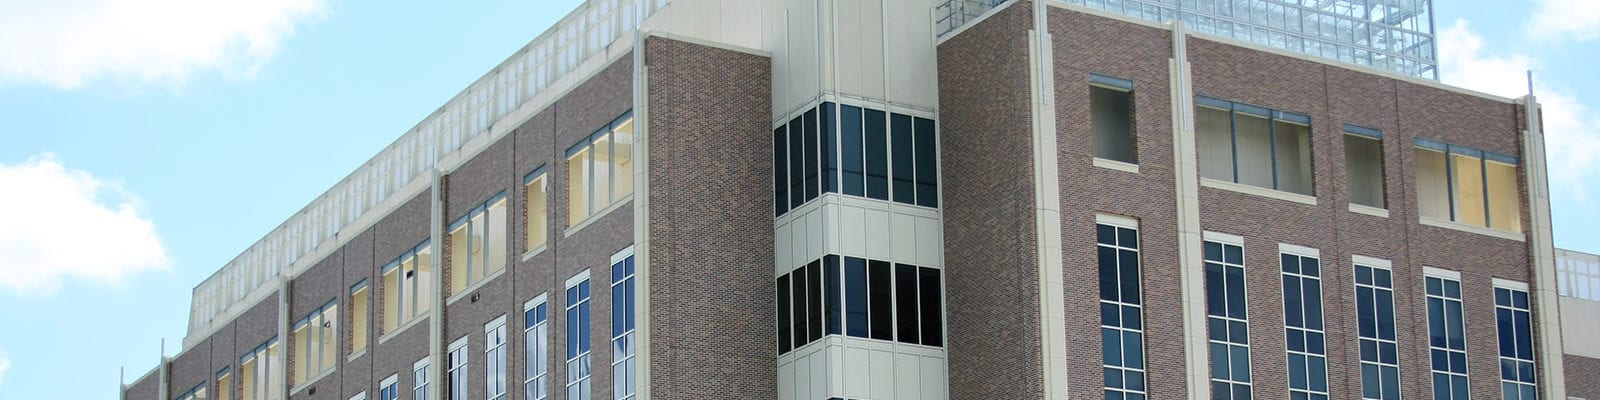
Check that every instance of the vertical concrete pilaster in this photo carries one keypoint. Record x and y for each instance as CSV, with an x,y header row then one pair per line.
x,y
1047,208
1541,251
1187,173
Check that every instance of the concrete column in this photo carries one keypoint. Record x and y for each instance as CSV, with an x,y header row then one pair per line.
x,y
1047,207
436,311
1187,171
1541,249
641,215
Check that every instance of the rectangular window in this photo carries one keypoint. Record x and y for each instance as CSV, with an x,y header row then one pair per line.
x,y
880,300
224,385
797,304
1468,186
360,316
419,375
536,192
600,170
1447,341
407,287
389,388
814,299
927,161
258,375
477,244
877,154
536,334
904,181
1227,321
578,372
1121,311
1380,357
624,367
812,164
1111,114
797,162
780,171
313,341
830,151
458,370
855,300
198,393
785,324
1254,146
905,287
494,359
1513,321
852,153
830,266
1303,333
1363,160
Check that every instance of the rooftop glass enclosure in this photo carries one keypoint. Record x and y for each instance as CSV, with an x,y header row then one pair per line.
x,y
1392,35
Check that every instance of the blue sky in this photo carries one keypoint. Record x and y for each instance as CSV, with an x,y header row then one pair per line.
x,y
158,141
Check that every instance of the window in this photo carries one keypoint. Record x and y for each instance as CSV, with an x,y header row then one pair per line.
x,y
494,359
1363,160
536,192
224,385
1255,146
1380,357
419,374
1447,341
458,370
624,368
314,349
894,302
536,331
389,388
1121,312
1468,186
1227,321
360,316
600,170
1303,331
1513,320
1111,114
198,393
407,287
359,396
256,372
857,152
477,244
578,337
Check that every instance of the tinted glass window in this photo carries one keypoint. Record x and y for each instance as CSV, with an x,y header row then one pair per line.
x,y
851,158
878,292
927,157
780,172
900,142
797,169
813,164
831,265
905,286
798,278
814,292
929,294
855,292
830,152
877,155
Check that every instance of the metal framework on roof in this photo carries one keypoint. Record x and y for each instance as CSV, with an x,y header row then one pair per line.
x,y
1392,35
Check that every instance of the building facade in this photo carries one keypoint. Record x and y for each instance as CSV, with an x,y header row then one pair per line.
x,y
1028,200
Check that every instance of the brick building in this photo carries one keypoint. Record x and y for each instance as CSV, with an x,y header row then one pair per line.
x,y
996,200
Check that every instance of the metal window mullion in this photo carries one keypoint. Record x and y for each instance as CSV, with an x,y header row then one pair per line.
x,y
1233,142
1272,147
1483,174
1450,182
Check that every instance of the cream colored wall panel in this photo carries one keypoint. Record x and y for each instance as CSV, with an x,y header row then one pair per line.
x,y
852,230
836,370
872,51
882,371
830,221
803,59
1578,321
877,224
802,378
798,240
857,385
929,246
847,43
934,384
784,245
911,75
902,238
819,374
786,382
814,238
908,377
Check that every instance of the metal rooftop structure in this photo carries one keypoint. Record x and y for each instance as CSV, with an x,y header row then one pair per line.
x,y
1390,35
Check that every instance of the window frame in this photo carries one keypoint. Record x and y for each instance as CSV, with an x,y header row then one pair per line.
x,y
1126,87
408,289
1510,306
420,378
1117,224
389,388
1376,135
1378,341
595,207
360,317
1223,241
1272,117
532,382
496,351
458,358
623,354
1445,277
579,292
479,269
317,318
1483,157
1300,275
541,176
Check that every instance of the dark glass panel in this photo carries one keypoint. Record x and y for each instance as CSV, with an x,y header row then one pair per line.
x,y
905,289
877,154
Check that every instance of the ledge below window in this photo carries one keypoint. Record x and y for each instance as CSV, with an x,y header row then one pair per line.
x,y
1116,165
1474,229
1263,192
1369,210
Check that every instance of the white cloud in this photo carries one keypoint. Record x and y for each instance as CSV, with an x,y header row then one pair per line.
x,y
5,364
1565,19
1572,128
58,223
68,43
